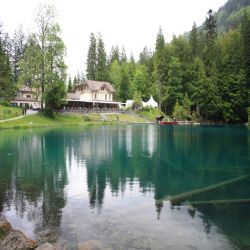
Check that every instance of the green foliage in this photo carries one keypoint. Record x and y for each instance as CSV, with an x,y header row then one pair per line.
x,y
160,65
193,41
248,111
197,84
7,88
97,68
179,112
30,63
7,112
86,118
174,88
230,15
5,103
125,87
183,112
137,101
141,82
232,81
18,44
114,54
42,64
54,95
101,63
245,35
115,75
92,58
150,113
210,36
70,87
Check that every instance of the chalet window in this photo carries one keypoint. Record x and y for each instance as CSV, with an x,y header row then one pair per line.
x,y
28,96
102,88
105,97
109,97
95,96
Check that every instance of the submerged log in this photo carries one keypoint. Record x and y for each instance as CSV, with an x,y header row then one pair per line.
x,y
175,199
190,206
220,202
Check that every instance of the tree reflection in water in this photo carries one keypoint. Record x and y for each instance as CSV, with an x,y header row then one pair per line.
x,y
159,160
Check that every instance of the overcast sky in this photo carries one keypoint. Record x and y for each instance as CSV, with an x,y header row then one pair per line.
x,y
133,24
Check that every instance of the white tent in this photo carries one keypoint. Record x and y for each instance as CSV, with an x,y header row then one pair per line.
x,y
150,103
129,103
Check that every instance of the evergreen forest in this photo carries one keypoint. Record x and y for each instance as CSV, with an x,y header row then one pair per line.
x,y
203,74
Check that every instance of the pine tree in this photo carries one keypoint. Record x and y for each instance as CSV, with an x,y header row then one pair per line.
x,y
92,59
245,35
18,43
6,85
173,89
70,87
123,56
78,78
101,66
74,82
210,36
114,54
198,81
115,76
232,80
141,82
194,41
124,90
160,64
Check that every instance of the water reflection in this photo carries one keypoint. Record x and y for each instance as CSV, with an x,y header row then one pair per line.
x,y
51,177
33,176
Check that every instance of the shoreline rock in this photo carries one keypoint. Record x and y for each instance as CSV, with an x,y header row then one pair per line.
x,y
14,239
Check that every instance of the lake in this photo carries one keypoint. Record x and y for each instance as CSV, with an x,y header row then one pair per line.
x,y
102,183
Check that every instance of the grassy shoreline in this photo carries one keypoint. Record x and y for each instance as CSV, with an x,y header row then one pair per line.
x,y
41,121
8,112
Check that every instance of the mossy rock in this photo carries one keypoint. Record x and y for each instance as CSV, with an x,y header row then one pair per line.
x,y
5,227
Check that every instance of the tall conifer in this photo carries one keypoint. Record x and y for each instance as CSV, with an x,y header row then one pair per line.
x,y
101,65
92,58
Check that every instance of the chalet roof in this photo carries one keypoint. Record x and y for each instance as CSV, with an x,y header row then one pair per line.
x,y
97,85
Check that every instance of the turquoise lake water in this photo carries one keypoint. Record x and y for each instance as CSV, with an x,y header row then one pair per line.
x,y
72,185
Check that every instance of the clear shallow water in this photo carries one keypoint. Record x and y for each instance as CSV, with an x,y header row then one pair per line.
x,y
101,183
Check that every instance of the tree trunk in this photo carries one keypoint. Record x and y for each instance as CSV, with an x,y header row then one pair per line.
x,y
175,199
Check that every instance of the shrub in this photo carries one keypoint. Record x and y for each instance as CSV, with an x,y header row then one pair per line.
x,y
5,103
48,112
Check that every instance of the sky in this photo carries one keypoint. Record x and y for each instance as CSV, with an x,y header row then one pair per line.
x,y
133,24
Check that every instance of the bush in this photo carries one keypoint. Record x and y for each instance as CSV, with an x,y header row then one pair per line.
x,y
48,112
86,118
5,103
147,108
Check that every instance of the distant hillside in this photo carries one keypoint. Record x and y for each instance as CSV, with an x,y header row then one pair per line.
x,y
229,16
